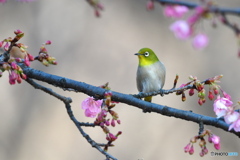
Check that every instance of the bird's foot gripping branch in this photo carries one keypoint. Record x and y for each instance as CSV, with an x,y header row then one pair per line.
x,y
16,60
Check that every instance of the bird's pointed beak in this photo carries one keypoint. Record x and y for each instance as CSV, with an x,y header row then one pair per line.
x,y
137,54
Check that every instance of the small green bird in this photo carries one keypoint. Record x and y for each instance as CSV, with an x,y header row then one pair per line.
x,y
150,73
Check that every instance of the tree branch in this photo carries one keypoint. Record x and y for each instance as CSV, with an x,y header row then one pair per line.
x,y
127,99
78,124
215,9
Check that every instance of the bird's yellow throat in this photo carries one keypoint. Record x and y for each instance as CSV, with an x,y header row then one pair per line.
x,y
143,61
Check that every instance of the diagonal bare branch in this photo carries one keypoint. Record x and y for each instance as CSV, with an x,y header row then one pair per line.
x,y
127,99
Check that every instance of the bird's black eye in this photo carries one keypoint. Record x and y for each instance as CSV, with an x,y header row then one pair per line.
x,y
146,54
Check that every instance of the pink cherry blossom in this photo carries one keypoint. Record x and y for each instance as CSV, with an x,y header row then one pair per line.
x,y
215,140
221,105
235,125
2,1
225,95
92,107
231,117
175,11
181,29
200,41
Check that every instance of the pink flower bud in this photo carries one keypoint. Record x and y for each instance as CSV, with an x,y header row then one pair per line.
x,y
19,80
199,86
215,90
201,154
210,95
187,148
14,65
31,58
13,77
205,150
97,13
26,61
18,59
48,42
113,123
18,31
107,122
6,46
119,133
191,92
101,124
217,146
23,76
112,137
150,5
191,151
200,102
119,121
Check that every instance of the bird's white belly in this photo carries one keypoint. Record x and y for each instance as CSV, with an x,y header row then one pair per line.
x,y
151,78
151,83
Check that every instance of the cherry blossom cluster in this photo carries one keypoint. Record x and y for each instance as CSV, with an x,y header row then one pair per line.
x,y
44,57
17,53
223,107
97,6
189,148
4,1
101,109
186,28
200,88
15,72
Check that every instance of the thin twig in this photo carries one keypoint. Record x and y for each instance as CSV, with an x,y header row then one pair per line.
x,y
86,124
226,22
163,92
86,136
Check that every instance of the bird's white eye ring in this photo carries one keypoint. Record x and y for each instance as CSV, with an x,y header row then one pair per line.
x,y
146,54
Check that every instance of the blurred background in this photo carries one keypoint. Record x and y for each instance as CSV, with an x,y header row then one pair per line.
x,y
35,125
